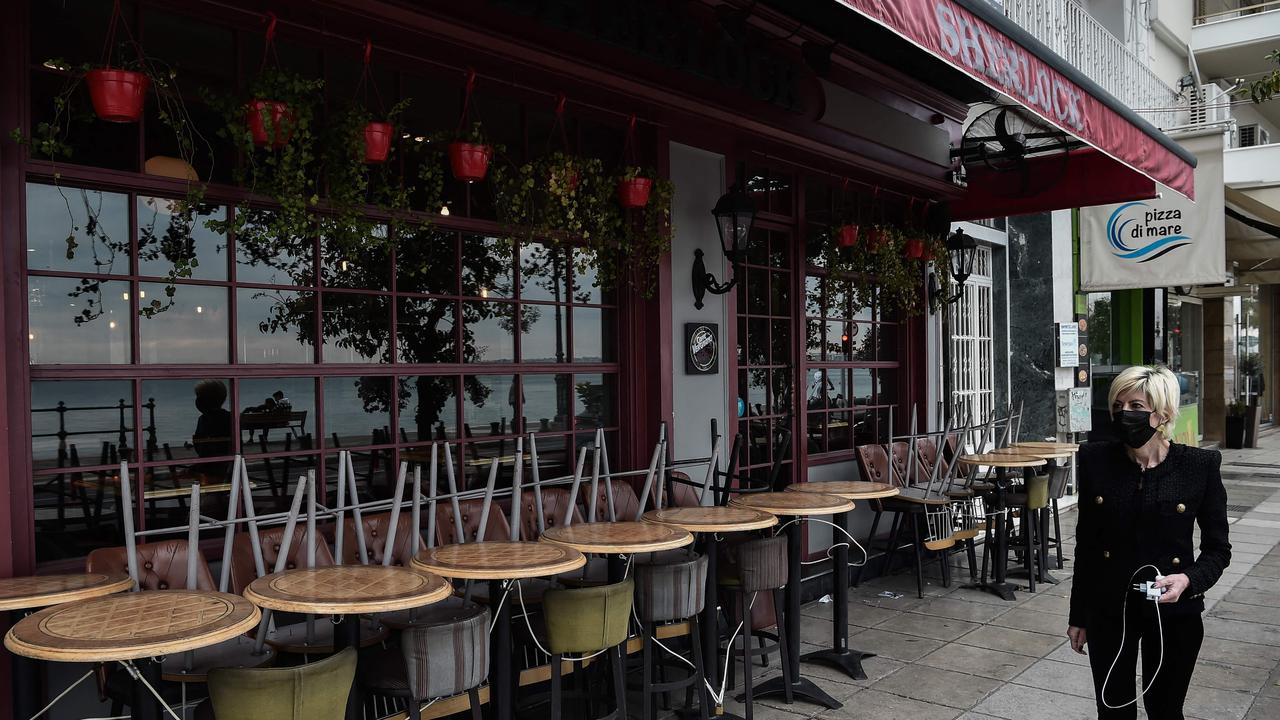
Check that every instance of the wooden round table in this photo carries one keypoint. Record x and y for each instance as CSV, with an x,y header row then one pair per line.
x,y
1046,453
1002,462
840,656
346,591
612,538
499,562
797,505
131,626
1048,445
20,594
709,521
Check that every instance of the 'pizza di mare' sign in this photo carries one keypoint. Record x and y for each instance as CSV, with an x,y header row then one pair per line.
x,y
702,348
1162,242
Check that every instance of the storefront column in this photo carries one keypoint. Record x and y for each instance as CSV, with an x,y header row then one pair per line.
x,y
1219,366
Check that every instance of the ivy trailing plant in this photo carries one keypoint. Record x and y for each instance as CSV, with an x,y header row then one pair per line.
x,y
51,140
285,170
646,235
352,185
878,267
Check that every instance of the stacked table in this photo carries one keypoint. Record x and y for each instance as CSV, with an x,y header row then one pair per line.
x,y
616,539
1002,463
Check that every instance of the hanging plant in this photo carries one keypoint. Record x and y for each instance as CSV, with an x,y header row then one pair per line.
x,y
646,238
118,87
634,188
353,185
469,152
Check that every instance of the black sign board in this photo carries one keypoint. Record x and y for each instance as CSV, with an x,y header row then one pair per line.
x,y
701,348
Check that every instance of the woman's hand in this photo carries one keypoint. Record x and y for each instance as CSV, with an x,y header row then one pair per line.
x,y
1078,639
1173,585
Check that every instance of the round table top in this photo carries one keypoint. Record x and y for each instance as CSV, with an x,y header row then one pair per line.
x,y
1048,445
500,560
847,489
128,626
618,537
348,589
22,593
1005,461
1047,453
794,503
712,518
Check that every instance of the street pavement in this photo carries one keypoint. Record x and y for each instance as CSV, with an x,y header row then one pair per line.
x,y
959,653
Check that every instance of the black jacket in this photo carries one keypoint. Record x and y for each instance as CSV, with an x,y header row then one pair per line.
x,y
1130,518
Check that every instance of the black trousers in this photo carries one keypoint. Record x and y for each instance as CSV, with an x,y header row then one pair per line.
x,y
1181,643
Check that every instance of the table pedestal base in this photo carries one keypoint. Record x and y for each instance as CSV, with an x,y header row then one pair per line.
x,y
1041,577
26,679
347,635
145,706
802,688
1004,591
848,661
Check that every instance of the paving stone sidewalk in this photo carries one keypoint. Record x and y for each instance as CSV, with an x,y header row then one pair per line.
x,y
959,653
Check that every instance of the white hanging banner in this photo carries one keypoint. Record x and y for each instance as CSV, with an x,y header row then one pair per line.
x,y
1162,242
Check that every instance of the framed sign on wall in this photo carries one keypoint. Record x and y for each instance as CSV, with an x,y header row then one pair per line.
x,y
701,348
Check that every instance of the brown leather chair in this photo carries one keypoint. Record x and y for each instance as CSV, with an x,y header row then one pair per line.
x,y
555,501
243,568
161,565
497,530
625,502
376,529
682,494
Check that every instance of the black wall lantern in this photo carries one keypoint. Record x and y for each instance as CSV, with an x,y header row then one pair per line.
x,y
734,213
962,249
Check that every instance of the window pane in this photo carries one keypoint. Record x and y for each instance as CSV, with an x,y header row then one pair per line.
x,y
862,388
275,326
192,330
546,402
162,237
595,396
813,296
277,414
264,257
356,328
585,288
77,230
427,261
425,331
839,431
886,342
544,272
816,392
592,335
817,430
78,320
357,410
489,404
488,332
184,419
543,337
428,408
366,269
813,339
486,267
757,384
81,422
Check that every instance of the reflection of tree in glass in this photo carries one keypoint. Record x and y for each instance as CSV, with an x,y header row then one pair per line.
x,y
593,397
97,236
176,244
259,242
1100,331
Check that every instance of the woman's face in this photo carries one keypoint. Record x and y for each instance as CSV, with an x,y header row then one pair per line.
x,y
1137,400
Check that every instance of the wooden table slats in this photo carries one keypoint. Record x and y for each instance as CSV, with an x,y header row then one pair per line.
x,y
847,489
348,589
22,593
1047,445
499,560
1005,461
793,503
618,537
712,518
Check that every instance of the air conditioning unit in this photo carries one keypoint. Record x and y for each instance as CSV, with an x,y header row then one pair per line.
x,y
1252,136
1210,105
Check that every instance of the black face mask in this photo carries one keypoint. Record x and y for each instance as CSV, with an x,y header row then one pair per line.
x,y
1133,427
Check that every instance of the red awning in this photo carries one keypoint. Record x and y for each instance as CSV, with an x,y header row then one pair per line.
x,y
993,50
1090,178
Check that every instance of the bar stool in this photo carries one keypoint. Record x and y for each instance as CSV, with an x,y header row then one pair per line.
x,y
1031,503
671,592
445,653
587,621
760,567
316,691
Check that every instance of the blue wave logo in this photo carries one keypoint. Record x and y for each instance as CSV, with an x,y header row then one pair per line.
x,y
1118,226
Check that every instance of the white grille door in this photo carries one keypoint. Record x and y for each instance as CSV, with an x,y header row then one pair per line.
x,y
972,374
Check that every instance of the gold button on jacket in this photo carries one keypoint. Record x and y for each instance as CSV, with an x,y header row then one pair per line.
x,y
1106,553
1177,561
1097,500
1181,508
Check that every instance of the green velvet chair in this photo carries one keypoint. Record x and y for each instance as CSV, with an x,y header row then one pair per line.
x,y
583,622
316,691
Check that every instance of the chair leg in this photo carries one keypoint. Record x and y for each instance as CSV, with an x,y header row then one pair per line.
x,y
1057,532
871,540
647,710
555,687
971,549
414,709
787,671
919,550
746,655
764,659
704,698
474,696
1029,546
895,542
731,667
619,680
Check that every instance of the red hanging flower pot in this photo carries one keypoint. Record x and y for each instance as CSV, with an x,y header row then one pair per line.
x,y
377,141
270,122
469,161
634,192
874,237
117,95
915,249
847,235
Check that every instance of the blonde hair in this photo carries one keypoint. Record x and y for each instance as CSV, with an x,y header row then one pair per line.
x,y
1160,386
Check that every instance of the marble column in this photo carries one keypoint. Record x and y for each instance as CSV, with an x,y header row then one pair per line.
x,y
1031,322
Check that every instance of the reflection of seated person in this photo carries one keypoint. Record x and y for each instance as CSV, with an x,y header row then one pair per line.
x,y
212,437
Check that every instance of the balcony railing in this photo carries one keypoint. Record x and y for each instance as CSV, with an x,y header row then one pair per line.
x,y
1208,11
1071,32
